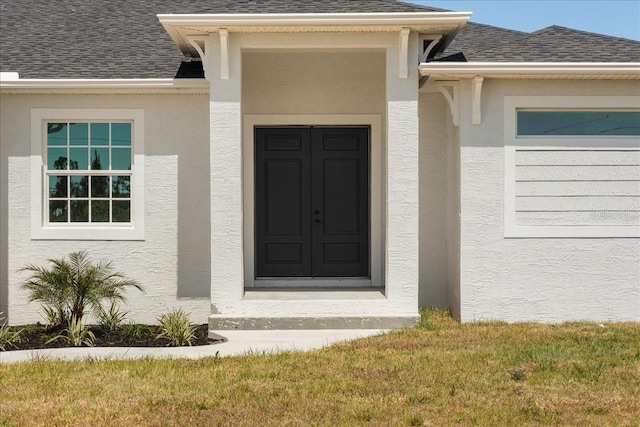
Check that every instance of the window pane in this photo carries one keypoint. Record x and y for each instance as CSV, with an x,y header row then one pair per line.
x,y
79,211
99,211
79,134
99,186
79,186
56,134
57,186
58,211
121,186
100,158
57,158
121,134
79,158
99,133
121,211
579,123
121,159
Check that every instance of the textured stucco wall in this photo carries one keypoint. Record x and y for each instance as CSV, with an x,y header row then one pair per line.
x,y
310,76
172,263
434,187
549,280
313,82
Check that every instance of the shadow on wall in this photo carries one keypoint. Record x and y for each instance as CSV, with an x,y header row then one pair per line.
x,y
4,242
194,227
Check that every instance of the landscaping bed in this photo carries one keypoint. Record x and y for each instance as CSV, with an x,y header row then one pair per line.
x,y
73,286
128,335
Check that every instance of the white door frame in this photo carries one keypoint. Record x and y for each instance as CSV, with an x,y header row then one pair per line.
x,y
374,121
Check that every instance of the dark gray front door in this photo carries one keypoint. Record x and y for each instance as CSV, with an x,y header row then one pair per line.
x,y
312,201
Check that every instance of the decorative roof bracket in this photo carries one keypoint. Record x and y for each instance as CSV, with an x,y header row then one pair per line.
x,y
224,54
404,53
200,45
476,100
427,48
453,98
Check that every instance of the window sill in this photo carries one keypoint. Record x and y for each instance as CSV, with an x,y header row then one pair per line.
x,y
88,233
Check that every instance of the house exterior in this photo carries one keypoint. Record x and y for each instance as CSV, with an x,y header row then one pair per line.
x,y
321,164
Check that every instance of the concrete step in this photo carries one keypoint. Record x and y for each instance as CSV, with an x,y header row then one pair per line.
x,y
218,322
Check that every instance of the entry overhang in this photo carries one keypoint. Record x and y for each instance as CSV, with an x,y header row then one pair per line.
x,y
183,28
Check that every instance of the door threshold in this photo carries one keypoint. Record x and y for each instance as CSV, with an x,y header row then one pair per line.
x,y
314,293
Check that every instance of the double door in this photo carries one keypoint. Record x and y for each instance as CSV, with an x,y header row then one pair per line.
x,y
312,202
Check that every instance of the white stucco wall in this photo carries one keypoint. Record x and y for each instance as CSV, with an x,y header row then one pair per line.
x,y
317,74
172,263
539,279
350,82
435,150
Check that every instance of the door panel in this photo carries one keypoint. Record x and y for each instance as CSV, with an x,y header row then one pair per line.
x,y
340,193
283,230
312,202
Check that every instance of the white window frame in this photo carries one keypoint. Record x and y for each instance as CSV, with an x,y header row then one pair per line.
x,y
40,227
512,142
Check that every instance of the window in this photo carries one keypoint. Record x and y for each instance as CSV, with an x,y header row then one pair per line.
x,y
91,170
572,167
578,123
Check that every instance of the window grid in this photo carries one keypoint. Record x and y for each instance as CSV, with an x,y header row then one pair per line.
x,y
70,202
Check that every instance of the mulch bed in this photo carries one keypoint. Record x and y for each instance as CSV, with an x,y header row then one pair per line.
x,y
135,335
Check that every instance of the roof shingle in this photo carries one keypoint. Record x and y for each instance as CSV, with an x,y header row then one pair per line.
x,y
474,37
559,44
123,39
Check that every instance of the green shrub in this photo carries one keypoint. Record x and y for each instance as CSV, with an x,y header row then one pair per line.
x,y
112,319
74,285
134,330
76,334
177,328
8,336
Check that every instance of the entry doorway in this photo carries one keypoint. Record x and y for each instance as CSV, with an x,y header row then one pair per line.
x,y
312,202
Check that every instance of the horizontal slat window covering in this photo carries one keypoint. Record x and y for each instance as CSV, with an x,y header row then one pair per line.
x,y
577,187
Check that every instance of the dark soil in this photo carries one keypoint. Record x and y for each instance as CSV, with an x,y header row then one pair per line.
x,y
133,335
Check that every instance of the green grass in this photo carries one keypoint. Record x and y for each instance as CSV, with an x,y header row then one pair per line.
x,y
440,373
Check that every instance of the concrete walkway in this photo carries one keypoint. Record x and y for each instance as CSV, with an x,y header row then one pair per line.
x,y
237,343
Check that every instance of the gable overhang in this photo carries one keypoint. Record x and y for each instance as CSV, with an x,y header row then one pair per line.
x,y
532,70
184,28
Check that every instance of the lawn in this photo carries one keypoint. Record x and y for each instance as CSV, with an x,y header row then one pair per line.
x,y
440,373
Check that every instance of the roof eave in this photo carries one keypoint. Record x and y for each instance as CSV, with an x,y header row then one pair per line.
x,y
11,86
314,19
549,70
180,27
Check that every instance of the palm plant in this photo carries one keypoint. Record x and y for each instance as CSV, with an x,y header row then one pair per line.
x,y
73,285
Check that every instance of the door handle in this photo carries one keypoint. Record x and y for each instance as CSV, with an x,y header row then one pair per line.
x,y
317,221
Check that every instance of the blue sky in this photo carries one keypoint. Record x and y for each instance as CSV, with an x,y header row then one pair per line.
x,y
619,18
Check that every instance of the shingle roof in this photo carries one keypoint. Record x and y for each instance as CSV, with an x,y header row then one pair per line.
x,y
313,6
558,44
474,37
123,38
